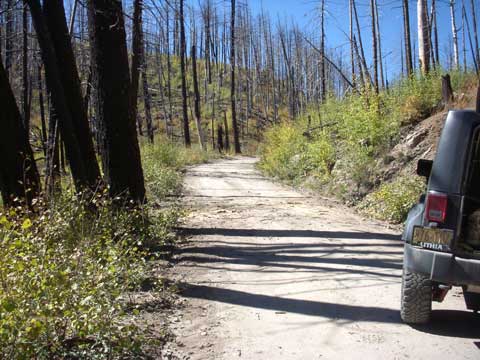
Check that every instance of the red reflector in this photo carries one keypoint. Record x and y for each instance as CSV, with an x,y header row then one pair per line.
x,y
436,207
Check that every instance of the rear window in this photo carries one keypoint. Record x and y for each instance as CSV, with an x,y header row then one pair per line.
x,y
473,180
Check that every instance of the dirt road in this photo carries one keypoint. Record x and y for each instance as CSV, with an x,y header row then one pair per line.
x,y
270,273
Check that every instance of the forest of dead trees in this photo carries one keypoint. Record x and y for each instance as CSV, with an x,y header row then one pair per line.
x,y
85,80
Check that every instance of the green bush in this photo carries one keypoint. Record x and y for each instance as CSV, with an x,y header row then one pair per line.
x,y
282,146
62,273
65,269
346,136
392,201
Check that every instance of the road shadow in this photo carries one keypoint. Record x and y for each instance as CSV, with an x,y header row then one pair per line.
x,y
452,323
288,233
304,307
315,256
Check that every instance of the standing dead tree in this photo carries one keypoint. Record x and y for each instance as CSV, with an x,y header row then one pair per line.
x,y
186,126
18,172
120,150
236,138
423,38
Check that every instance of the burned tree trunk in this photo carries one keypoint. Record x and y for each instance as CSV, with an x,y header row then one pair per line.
x,y
18,171
57,26
374,46
9,37
447,91
137,52
120,149
233,99
198,117
186,127
147,101
407,43
475,31
57,96
227,135
25,75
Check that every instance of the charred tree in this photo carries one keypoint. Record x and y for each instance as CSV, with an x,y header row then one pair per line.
x,y
374,45
18,172
407,38
198,116
120,150
57,25
9,29
186,127
475,31
57,97
233,99
147,101
137,52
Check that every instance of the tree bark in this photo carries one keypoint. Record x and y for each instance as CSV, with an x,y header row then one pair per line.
x,y
147,101
236,138
447,91
227,134
423,39
475,31
322,49
186,127
57,26
9,37
120,149
198,116
25,75
137,52
374,46
454,34
352,51
18,171
57,96
367,77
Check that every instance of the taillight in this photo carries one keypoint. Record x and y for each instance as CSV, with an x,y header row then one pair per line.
x,y
436,207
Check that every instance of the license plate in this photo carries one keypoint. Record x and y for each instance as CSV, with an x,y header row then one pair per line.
x,y
432,238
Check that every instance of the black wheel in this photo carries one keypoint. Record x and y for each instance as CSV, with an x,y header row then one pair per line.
x,y
416,301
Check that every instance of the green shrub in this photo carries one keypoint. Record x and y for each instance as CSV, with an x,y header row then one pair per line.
x,y
62,273
346,136
282,147
392,201
65,270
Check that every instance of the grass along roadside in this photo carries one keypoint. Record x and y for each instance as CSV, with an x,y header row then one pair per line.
x,y
340,148
69,277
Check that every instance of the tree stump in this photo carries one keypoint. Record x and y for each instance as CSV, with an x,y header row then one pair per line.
x,y
447,91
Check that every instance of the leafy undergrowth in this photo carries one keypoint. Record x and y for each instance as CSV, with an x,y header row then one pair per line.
x,y
392,201
65,269
340,148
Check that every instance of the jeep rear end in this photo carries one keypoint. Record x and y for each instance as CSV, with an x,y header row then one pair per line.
x,y
438,254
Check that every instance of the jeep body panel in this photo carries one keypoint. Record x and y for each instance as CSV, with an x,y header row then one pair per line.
x,y
441,267
453,152
448,176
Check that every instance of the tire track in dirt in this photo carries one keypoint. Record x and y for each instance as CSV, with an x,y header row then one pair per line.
x,y
271,273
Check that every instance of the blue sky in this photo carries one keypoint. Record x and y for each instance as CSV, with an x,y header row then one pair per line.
x,y
305,13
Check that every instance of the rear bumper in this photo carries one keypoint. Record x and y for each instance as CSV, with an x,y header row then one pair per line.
x,y
442,267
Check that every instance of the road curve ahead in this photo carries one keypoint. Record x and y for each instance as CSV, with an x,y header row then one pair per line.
x,y
271,273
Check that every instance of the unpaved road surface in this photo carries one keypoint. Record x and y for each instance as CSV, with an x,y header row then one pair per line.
x,y
271,273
